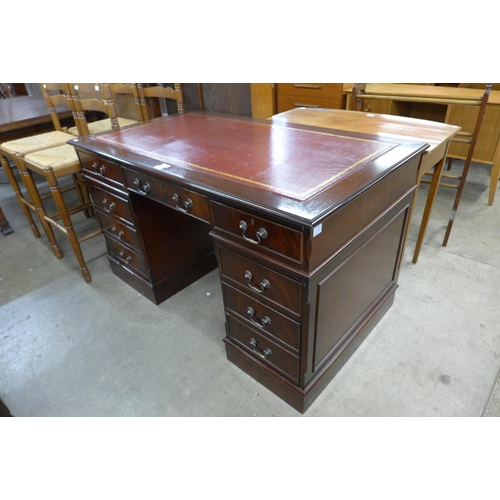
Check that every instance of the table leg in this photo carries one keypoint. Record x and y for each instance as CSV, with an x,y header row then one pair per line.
x,y
436,178
4,224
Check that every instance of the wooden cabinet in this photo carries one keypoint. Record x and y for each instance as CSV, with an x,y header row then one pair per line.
x,y
310,95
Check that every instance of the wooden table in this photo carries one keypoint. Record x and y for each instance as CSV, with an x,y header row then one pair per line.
x,y
26,115
21,117
437,135
306,226
413,101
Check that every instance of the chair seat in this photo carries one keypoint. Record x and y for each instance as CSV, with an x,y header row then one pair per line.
x,y
104,125
62,159
28,145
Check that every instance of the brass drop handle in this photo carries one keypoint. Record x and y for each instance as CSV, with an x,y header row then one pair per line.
x,y
120,234
99,169
263,354
265,321
263,285
110,207
186,206
261,233
143,188
127,258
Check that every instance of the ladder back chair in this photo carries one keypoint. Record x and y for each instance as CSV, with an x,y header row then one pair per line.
x,y
126,92
150,99
362,91
95,97
55,95
56,164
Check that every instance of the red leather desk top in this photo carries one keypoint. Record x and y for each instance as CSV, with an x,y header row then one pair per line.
x,y
274,158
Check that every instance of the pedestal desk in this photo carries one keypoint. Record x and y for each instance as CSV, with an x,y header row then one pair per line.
x,y
306,226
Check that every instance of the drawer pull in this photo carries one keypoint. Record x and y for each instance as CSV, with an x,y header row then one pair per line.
x,y
306,86
127,258
303,105
188,204
263,285
110,207
264,354
99,169
261,233
144,189
120,234
265,321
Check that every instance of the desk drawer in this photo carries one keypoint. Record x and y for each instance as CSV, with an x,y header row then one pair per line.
x,y
286,102
115,229
102,170
323,90
127,257
263,348
264,319
178,198
256,232
264,284
111,204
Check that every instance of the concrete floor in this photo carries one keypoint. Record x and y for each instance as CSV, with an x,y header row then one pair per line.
x,y
68,348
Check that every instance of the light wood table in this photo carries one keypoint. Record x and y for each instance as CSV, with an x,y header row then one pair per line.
x,y
437,135
443,104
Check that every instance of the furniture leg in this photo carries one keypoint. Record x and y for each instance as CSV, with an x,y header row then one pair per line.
x,y
431,196
5,228
37,205
66,220
19,195
495,174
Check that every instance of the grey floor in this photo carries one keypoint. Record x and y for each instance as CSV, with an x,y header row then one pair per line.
x,y
68,348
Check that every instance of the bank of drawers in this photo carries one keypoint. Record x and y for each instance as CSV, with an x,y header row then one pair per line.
x,y
106,184
312,95
263,305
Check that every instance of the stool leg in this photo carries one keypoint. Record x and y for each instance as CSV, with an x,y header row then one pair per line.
x,y
19,195
66,220
38,205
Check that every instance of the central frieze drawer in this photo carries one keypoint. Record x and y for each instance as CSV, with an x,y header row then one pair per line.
x,y
257,232
183,200
263,318
261,282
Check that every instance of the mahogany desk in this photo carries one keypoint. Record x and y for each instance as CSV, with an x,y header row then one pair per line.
x,y
21,117
437,135
306,226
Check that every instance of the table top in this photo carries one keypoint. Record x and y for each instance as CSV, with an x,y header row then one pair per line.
x,y
398,127
298,170
26,111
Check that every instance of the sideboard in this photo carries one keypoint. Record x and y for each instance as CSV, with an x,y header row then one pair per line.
x,y
306,226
